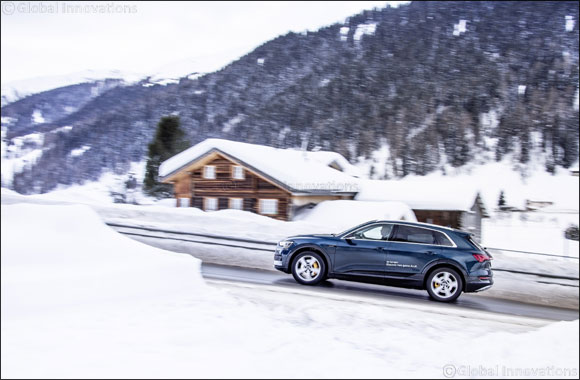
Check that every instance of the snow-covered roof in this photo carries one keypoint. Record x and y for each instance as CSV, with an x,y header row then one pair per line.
x,y
297,170
442,195
335,159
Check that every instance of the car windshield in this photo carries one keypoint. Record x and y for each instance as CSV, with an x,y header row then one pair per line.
x,y
352,229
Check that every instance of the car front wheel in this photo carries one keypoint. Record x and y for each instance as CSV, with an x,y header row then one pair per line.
x,y
444,284
308,268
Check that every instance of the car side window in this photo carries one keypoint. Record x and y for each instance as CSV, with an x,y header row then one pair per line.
x,y
409,234
443,240
376,232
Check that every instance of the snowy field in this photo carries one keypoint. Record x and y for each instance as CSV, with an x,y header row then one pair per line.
x,y
79,300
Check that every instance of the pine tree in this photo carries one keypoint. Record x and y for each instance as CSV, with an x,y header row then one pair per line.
x,y
169,140
501,201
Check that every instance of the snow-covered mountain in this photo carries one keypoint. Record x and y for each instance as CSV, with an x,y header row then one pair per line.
x,y
18,89
411,90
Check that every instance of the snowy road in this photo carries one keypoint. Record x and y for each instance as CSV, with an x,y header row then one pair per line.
x,y
374,292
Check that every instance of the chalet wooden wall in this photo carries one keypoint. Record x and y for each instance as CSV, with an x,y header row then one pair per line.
x,y
251,189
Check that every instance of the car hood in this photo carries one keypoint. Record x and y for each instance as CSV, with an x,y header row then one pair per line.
x,y
312,236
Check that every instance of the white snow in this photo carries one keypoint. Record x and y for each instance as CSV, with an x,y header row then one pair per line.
x,y
79,151
539,231
6,121
489,179
444,195
342,214
80,299
332,158
166,81
344,33
14,90
194,76
19,153
364,29
260,61
294,168
230,124
378,162
327,217
570,23
37,117
66,128
489,120
460,27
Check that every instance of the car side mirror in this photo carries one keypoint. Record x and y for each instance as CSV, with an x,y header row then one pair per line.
x,y
350,241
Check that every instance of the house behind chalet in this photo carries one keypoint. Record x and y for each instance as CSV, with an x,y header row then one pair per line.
x,y
445,203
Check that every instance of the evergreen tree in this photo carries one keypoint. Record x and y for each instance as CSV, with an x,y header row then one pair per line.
x,y
169,140
501,201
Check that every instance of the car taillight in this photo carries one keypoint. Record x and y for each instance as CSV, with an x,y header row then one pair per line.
x,y
481,258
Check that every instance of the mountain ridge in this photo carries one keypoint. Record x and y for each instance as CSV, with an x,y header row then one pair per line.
x,y
424,78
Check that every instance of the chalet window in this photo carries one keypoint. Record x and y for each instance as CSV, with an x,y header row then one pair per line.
x,y
209,172
237,203
269,206
237,172
210,204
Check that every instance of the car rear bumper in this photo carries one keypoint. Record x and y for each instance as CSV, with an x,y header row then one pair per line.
x,y
478,283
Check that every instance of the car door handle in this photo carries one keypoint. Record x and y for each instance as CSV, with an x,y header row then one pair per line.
x,y
380,249
430,252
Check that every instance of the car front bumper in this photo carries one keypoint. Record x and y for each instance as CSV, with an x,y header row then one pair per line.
x,y
281,259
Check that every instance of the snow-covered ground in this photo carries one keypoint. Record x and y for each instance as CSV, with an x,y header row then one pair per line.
x,y
240,224
79,300
538,231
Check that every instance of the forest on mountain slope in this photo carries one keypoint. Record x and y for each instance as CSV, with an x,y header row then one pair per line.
x,y
420,80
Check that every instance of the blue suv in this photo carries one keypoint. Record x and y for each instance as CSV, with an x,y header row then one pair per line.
x,y
442,260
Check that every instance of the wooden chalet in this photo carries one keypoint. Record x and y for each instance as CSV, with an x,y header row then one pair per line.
x,y
220,174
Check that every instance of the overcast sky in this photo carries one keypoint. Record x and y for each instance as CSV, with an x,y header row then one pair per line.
x,y
56,38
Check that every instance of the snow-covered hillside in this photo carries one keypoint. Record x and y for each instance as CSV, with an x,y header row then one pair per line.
x,y
18,89
171,72
81,299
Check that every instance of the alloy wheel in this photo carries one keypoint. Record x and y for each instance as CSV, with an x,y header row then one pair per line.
x,y
444,284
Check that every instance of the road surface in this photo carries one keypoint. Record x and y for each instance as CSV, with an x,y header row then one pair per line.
x,y
369,291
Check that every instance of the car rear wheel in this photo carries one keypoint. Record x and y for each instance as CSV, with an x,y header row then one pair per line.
x,y
444,284
308,268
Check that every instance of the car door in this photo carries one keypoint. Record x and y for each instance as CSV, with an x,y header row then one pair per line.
x,y
361,255
410,249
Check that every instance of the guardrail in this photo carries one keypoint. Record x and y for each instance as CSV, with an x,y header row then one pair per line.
x,y
531,253
207,236
218,240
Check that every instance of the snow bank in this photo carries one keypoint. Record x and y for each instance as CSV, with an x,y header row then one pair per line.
x,y
342,214
79,300
6,191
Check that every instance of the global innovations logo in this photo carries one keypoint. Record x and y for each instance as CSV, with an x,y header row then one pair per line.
x,y
10,8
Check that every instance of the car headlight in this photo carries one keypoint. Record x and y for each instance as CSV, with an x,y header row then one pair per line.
x,y
285,243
